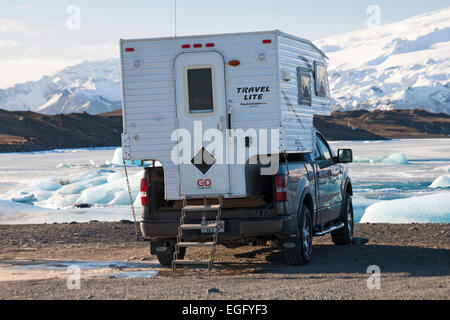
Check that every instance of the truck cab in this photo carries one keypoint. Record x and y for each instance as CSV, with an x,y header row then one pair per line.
x,y
310,195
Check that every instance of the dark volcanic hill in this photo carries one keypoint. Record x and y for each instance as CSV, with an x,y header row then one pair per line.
x,y
393,124
29,131
22,131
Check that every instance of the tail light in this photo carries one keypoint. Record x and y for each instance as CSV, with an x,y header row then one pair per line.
x,y
144,194
281,185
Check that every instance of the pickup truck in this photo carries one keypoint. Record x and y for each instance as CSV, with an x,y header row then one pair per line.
x,y
311,195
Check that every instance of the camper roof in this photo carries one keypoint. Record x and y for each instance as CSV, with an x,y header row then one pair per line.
x,y
277,32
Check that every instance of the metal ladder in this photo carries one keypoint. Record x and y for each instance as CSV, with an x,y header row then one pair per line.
x,y
202,226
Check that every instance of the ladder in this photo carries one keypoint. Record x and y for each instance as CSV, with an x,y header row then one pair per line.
x,y
204,225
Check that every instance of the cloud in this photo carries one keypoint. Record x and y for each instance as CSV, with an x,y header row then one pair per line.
x,y
102,51
7,25
8,43
24,8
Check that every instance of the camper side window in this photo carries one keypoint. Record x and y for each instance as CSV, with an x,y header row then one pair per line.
x,y
304,86
200,90
321,79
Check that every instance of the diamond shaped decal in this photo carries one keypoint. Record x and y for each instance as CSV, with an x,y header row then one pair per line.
x,y
203,160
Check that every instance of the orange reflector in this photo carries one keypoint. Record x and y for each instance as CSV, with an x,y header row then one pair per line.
x,y
234,63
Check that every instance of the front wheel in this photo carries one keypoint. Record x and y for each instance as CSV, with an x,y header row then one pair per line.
x,y
344,235
301,253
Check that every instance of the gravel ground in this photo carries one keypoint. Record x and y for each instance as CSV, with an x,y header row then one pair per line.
x,y
414,260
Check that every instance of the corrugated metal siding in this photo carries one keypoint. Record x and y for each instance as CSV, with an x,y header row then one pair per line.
x,y
149,96
297,120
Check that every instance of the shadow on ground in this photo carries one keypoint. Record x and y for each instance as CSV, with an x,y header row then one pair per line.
x,y
330,259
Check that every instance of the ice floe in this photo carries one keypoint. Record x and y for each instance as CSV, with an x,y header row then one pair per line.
x,y
434,208
394,158
441,182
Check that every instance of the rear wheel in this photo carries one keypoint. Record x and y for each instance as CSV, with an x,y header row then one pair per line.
x,y
166,258
344,235
301,253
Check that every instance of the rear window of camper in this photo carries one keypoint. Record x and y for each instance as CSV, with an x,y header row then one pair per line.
x,y
321,80
304,86
200,89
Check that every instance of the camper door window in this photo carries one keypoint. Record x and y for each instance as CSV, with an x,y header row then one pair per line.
x,y
200,89
321,80
304,86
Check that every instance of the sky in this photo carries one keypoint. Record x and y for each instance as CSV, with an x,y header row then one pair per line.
x,y
39,37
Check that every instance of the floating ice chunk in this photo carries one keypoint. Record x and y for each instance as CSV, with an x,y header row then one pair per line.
x,y
442,168
359,206
41,195
434,208
441,182
59,201
114,176
395,158
47,185
118,157
24,198
78,187
112,193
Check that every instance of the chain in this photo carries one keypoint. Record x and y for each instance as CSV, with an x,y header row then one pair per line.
x,y
131,200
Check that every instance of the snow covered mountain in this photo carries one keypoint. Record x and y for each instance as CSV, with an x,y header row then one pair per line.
x,y
90,86
403,65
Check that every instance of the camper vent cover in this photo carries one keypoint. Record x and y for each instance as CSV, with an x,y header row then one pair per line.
x,y
203,160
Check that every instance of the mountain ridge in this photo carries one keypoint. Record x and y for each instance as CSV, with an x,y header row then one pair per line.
x,y
402,65
23,131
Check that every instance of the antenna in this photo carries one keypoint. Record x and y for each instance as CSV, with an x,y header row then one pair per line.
x,y
175,18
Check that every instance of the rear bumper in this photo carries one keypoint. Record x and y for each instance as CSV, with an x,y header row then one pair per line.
x,y
235,229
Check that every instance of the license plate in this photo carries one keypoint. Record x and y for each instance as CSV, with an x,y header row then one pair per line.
x,y
221,227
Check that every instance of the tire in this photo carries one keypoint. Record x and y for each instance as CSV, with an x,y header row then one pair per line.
x,y
344,236
166,258
301,253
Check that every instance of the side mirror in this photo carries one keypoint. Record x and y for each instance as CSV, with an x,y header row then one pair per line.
x,y
345,155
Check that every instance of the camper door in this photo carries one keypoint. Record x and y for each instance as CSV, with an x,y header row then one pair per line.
x,y
201,114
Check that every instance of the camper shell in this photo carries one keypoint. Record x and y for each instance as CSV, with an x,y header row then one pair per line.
x,y
266,86
256,79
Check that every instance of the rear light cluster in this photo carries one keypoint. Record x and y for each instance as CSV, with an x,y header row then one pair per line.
x,y
197,45
144,192
281,185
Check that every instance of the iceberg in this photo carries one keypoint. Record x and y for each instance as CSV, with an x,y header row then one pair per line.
x,y
118,157
434,208
394,158
441,182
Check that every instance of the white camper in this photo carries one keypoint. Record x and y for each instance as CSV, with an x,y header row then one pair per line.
x,y
250,81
